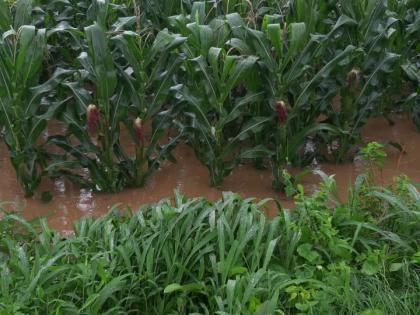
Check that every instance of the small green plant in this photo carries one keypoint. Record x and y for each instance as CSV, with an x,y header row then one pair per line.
x,y
302,298
374,156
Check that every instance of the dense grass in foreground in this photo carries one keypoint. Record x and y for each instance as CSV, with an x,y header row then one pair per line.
x,y
192,256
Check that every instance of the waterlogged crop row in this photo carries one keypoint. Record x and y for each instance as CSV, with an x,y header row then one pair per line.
x,y
270,83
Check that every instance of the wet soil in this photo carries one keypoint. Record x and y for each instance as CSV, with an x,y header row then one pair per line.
x,y
191,178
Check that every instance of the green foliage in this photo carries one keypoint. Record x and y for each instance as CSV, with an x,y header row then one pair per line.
x,y
374,158
373,154
195,256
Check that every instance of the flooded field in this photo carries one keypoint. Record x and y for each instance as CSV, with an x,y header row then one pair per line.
x,y
191,178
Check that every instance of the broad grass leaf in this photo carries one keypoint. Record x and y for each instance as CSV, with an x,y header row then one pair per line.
x,y
173,287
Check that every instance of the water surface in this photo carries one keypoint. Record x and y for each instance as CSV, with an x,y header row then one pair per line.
x,y
191,178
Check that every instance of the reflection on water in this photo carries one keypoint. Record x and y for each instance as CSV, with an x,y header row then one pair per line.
x,y
190,177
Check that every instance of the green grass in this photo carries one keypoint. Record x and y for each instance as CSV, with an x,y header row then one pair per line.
x,y
192,256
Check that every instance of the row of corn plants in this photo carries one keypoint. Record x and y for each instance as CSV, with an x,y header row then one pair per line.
x,y
192,256
271,83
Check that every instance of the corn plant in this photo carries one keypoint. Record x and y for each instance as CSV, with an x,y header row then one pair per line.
x,y
410,31
214,125
148,87
293,69
97,137
213,112
366,81
22,51
126,93
101,124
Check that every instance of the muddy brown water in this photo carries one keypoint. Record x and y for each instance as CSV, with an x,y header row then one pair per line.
x,y
191,178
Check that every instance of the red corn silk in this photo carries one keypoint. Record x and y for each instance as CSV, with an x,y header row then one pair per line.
x,y
281,112
92,117
138,130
